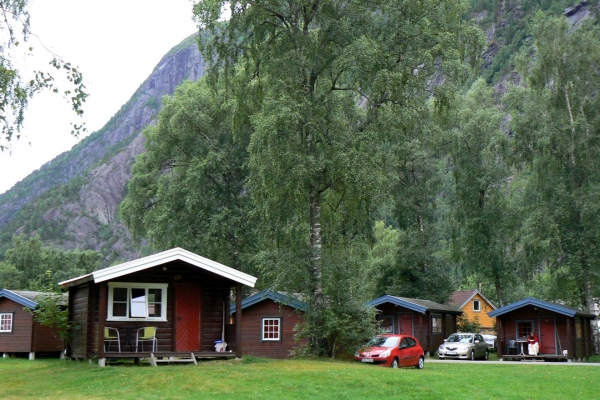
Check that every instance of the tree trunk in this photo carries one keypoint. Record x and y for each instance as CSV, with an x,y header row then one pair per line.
x,y
316,260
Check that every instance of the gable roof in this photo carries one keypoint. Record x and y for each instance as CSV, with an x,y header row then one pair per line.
x,y
530,301
176,254
26,298
418,305
277,297
460,298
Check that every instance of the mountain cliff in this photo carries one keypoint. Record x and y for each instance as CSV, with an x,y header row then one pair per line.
x,y
73,200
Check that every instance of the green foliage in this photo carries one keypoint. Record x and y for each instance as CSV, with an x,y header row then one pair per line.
x,y
322,85
464,324
30,265
188,189
52,311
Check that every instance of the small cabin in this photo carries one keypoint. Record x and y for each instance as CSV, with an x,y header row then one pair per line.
x,y
564,333
19,332
268,323
475,306
428,321
166,305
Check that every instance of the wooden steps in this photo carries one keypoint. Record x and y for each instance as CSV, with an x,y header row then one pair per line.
x,y
154,361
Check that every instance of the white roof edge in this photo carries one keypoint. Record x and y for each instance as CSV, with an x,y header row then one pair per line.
x,y
72,280
475,292
172,255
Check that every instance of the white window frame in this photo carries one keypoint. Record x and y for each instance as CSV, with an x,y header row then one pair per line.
x,y
137,285
266,339
478,308
11,318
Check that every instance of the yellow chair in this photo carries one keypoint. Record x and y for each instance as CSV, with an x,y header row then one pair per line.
x,y
148,335
111,335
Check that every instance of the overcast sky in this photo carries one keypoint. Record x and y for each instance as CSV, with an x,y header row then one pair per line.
x,y
115,43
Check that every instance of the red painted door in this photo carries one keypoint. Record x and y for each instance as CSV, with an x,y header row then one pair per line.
x,y
548,337
406,323
187,309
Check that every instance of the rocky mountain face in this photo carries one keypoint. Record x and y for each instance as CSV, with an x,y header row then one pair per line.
x,y
73,201
97,171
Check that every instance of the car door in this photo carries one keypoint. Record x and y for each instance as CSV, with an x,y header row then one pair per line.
x,y
404,351
480,346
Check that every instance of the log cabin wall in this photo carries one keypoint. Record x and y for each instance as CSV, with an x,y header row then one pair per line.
x,y
252,318
215,294
45,339
78,316
19,340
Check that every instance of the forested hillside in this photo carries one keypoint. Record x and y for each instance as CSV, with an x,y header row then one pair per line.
x,y
347,151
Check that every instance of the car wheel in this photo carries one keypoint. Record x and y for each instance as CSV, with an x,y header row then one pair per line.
x,y
472,355
395,363
487,355
421,363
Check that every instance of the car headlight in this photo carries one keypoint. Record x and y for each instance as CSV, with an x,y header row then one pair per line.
x,y
356,354
386,353
441,347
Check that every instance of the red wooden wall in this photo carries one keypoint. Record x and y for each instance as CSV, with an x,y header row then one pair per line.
x,y
252,316
27,335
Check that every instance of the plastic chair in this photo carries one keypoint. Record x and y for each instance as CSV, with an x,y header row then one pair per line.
x,y
512,344
111,335
148,335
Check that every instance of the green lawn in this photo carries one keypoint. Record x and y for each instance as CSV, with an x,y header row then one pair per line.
x,y
255,378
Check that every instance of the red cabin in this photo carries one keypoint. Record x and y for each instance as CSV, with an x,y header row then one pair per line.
x,y
564,333
19,333
428,321
167,305
268,324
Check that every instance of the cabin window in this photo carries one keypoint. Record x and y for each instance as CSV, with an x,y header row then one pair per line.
x,y
524,328
386,324
137,301
476,305
436,324
271,328
6,322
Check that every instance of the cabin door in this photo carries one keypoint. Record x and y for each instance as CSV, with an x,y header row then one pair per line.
x,y
548,338
406,323
187,314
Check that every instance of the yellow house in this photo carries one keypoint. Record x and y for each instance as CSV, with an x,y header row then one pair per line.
x,y
474,304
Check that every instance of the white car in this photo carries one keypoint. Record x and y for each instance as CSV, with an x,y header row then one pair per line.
x,y
464,345
490,340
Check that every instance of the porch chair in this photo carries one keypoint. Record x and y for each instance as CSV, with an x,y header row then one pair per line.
x,y
512,345
148,335
111,335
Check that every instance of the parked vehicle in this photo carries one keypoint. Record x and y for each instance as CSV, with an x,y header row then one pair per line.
x,y
392,351
490,340
464,345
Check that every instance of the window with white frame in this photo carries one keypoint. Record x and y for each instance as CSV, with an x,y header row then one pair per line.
x,y
476,305
271,329
6,322
137,301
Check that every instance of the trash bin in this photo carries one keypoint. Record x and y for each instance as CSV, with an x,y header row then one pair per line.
x,y
220,346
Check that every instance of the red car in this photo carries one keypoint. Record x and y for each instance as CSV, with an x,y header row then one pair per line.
x,y
392,351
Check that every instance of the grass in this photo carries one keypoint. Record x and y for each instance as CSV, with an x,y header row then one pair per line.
x,y
256,378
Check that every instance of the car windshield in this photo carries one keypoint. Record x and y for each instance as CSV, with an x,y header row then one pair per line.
x,y
457,337
383,341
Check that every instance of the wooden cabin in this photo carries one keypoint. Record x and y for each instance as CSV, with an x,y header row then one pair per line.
x,y
475,306
166,305
19,332
428,321
268,324
564,333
